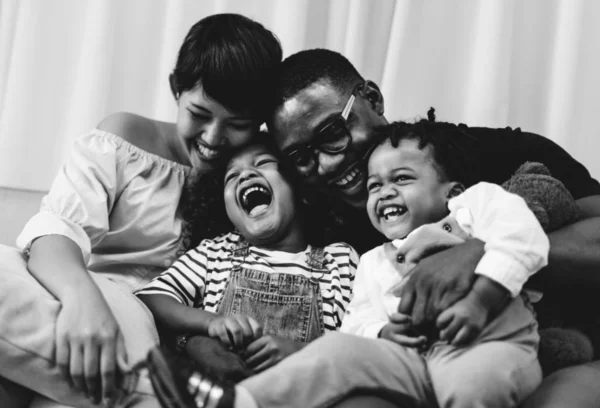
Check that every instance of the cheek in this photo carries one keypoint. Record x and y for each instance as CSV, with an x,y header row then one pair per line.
x,y
239,138
230,204
371,207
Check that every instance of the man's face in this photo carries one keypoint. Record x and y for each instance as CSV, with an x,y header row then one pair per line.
x,y
297,122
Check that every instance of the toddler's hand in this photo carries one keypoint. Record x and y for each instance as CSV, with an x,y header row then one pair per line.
x,y
268,351
462,322
235,330
401,331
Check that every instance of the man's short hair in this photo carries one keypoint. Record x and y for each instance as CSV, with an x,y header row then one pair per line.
x,y
301,70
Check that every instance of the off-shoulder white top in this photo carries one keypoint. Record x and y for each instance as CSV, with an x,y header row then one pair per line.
x,y
119,203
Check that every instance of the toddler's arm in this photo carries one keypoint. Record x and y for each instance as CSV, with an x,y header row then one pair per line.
x,y
515,248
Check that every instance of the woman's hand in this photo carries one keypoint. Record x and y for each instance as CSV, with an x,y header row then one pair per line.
x,y
267,351
401,331
89,345
235,330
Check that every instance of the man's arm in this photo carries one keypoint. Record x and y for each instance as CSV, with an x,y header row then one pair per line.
x,y
575,250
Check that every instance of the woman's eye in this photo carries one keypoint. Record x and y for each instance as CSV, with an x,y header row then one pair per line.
x,y
199,116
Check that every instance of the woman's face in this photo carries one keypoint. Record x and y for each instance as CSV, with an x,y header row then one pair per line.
x,y
209,131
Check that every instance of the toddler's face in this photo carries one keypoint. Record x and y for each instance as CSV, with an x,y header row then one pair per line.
x,y
259,201
404,188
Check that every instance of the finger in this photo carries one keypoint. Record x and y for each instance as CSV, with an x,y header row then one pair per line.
x,y
246,329
418,311
256,345
91,366
108,363
399,318
407,299
255,360
462,337
122,359
62,358
409,341
450,331
76,367
222,334
235,333
257,328
444,319
270,362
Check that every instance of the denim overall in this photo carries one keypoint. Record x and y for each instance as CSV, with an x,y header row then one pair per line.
x,y
286,305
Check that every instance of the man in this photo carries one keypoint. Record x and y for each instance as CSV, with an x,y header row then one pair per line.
x,y
323,122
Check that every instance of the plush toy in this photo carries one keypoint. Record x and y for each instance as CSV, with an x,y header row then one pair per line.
x,y
561,343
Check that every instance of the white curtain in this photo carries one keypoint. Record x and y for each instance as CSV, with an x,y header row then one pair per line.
x,y
65,64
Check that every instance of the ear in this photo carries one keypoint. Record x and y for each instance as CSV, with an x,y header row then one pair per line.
x,y
455,189
373,95
173,85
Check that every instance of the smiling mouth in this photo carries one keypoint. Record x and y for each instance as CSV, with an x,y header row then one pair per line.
x,y
350,178
255,199
392,212
207,152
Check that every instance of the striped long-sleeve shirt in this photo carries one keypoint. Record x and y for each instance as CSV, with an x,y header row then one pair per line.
x,y
200,276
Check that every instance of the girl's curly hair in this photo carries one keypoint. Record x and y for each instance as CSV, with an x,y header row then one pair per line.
x,y
202,206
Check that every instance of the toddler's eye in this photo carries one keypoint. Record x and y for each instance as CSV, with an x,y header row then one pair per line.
x,y
373,186
266,161
229,177
401,178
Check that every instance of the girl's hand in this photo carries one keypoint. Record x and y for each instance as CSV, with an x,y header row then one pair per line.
x,y
235,330
462,322
267,351
401,331
89,345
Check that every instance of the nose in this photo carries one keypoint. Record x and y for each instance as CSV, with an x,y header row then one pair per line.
x,y
247,174
328,163
387,191
212,134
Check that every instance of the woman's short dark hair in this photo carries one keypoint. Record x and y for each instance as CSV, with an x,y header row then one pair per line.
x,y
233,58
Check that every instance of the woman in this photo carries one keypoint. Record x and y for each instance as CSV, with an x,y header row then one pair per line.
x,y
110,222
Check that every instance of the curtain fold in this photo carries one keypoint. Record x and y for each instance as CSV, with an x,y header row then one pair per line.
x,y
66,64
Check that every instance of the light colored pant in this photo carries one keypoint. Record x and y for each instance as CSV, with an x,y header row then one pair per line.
x,y
28,314
500,369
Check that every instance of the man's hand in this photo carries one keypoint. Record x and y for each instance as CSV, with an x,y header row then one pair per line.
x,y
439,281
462,322
235,330
401,331
267,351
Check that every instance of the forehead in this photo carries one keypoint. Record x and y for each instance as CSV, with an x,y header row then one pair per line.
x,y
406,154
296,120
248,153
198,97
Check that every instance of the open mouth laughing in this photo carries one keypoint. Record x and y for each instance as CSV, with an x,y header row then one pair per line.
x,y
350,178
391,212
255,199
208,153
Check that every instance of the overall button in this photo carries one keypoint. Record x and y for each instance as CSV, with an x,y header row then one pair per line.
x,y
447,227
400,258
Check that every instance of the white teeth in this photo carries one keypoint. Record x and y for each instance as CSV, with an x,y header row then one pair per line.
x,y
207,152
251,189
348,177
392,213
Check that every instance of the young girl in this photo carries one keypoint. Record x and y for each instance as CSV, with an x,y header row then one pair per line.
x,y
266,288
485,355
110,222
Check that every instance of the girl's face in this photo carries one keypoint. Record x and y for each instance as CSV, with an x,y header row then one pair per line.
x,y
209,131
259,201
405,190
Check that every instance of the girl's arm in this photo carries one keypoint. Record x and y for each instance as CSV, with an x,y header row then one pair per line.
x,y
177,317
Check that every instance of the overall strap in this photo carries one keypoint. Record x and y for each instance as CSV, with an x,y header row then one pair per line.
x,y
316,258
239,251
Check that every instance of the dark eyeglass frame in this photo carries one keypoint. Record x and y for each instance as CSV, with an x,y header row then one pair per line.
x,y
308,150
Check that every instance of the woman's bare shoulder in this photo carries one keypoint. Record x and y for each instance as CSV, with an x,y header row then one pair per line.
x,y
145,133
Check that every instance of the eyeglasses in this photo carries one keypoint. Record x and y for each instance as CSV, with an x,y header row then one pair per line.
x,y
333,138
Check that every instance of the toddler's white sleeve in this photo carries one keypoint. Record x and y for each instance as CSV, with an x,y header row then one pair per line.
x,y
516,246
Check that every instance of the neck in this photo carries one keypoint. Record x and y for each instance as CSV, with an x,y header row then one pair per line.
x,y
293,242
